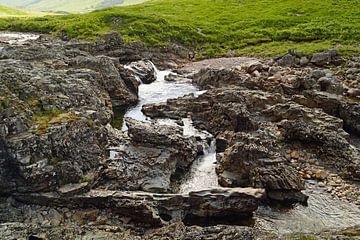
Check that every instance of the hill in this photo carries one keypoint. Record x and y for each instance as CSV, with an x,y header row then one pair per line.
x,y
217,27
6,12
73,6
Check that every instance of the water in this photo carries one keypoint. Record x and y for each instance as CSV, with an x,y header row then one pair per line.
x,y
202,174
159,91
13,38
324,212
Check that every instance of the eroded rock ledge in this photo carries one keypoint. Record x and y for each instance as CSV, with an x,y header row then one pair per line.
x,y
156,209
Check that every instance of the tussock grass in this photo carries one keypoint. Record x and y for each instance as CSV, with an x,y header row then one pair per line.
x,y
214,27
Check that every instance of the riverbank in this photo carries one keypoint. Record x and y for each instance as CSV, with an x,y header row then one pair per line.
x,y
282,133
214,28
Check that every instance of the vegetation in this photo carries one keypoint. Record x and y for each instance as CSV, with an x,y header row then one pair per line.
x,y
73,6
10,12
46,118
214,27
118,118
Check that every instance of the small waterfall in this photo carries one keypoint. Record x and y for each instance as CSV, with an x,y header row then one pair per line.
x,y
156,92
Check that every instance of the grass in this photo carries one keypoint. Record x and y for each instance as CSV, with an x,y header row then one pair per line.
x,y
6,12
214,27
73,6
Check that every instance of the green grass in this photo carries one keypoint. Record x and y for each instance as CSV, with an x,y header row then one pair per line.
x,y
73,6
214,27
8,12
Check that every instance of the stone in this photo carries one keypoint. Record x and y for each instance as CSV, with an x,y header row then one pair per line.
x,y
156,209
145,70
327,57
321,174
295,154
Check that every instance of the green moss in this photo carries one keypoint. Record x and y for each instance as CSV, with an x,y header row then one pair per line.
x,y
4,103
212,28
118,118
54,161
46,118
87,179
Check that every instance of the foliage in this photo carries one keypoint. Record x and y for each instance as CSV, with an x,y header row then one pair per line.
x,y
214,27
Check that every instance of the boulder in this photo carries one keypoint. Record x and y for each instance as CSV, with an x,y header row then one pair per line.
x,y
144,70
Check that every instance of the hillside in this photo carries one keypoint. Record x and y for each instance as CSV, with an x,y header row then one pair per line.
x,y
65,5
213,28
6,11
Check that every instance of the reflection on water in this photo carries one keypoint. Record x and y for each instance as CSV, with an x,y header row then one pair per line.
x,y
324,212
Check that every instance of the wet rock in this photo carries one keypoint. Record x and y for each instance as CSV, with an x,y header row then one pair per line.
x,y
251,162
148,159
164,135
145,70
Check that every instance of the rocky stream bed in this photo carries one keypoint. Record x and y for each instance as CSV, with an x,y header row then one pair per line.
x,y
97,143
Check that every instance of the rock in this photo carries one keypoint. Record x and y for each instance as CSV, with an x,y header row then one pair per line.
x,y
350,113
53,118
155,209
217,109
287,60
149,158
72,189
321,59
145,70
164,135
321,174
208,77
304,61
295,154
249,162
353,92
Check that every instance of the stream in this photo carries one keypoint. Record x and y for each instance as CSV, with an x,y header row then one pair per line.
x,y
324,211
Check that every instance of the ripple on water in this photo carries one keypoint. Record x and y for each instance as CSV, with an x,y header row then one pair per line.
x,y
324,212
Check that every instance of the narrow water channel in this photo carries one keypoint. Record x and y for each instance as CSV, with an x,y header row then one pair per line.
x,y
324,211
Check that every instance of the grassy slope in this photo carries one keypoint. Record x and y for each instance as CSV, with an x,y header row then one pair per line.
x,y
213,27
73,6
6,12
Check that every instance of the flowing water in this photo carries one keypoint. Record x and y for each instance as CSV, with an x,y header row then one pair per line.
x,y
202,175
13,38
323,212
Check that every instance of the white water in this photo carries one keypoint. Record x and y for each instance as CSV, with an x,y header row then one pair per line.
x,y
159,91
202,174
324,212
13,38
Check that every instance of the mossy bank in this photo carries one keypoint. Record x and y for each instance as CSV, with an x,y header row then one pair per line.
x,y
217,28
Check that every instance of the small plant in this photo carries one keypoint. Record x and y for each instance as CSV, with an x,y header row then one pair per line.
x,y
54,161
87,179
46,118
